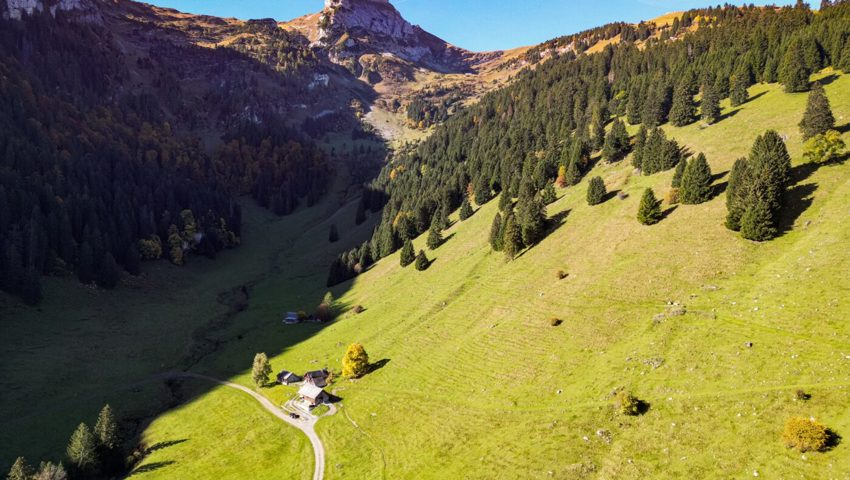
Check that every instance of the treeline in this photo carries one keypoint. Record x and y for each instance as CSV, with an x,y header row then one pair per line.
x,y
550,120
93,177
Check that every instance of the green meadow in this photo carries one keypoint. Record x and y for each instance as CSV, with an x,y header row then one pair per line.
x,y
714,332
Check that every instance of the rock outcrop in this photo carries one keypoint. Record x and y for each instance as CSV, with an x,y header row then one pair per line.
x,y
83,10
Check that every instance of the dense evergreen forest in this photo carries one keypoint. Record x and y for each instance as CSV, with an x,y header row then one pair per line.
x,y
100,171
547,125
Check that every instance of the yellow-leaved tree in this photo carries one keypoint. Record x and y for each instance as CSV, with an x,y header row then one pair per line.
x,y
355,363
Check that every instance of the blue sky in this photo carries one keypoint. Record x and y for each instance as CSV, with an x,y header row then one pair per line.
x,y
473,24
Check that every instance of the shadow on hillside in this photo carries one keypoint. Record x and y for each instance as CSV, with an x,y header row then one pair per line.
x,y
150,467
718,190
827,80
843,128
728,114
374,367
163,445
798,199
611,195
668,212
833,440
554,223
755,97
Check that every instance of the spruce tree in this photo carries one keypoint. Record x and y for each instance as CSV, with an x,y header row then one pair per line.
x,y
106,429
649,211
596,191
677,175
333,235
530,216
573,175
818,117
496,232
616,142
640,144
51,471
422,262
696,182
736,194
407,255
770,166
465,209
82,449
710,104
512,239
548,194
634,106
684,108
20,470
435,237
844,61
738,93
793,73
757,221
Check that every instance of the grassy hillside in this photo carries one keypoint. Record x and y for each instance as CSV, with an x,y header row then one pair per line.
x,y
479,385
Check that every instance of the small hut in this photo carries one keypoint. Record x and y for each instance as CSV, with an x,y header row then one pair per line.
x,y
312,395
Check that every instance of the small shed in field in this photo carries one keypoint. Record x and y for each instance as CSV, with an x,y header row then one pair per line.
x,y
312,394
287,378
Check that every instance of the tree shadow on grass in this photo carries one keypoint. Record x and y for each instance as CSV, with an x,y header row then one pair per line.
x,y
827,80
729,114
833,440
150,467
610,195
844,128
797,200
755,97
668,212
718,190
446,239
374,367
163,445
554,223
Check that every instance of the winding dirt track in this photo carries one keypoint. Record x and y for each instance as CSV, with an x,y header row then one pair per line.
x,y
306,424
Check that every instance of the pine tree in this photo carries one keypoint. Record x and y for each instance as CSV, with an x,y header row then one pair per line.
x,y
407,255
573,173
82,449
333,235
548,194
512,239
261,369
106,429
616,142
844,61
435,237
738,93
496,233
684,108
531,215
696,182
20,470
757,222
51,471
422,262
110,272
640,144
770,168
710,104
818,117
736,194
634,106
465,209
793,73
649,212
355,363
596,191
677,175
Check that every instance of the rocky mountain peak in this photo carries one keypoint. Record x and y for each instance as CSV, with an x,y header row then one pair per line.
x,y
84,10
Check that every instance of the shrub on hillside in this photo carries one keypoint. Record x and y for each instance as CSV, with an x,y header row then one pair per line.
x,y
555,321
560,274
824,147
805,435
596,191
355,363
672,196
628,404
359,309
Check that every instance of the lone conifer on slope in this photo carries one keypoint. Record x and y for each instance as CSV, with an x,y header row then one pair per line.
x,y
496,233
512,239
435,237
422,262
465,209
684,108
596,191
82,449
696,182
818,117
757,222
407,255
710,104
649,212
677,175
736,194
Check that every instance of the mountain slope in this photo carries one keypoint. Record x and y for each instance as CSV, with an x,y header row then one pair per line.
x,y
475,369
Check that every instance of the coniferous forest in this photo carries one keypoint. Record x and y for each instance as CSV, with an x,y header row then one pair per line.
x,y
549,124
99,174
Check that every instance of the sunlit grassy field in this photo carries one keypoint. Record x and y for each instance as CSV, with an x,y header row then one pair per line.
x,y
477,383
